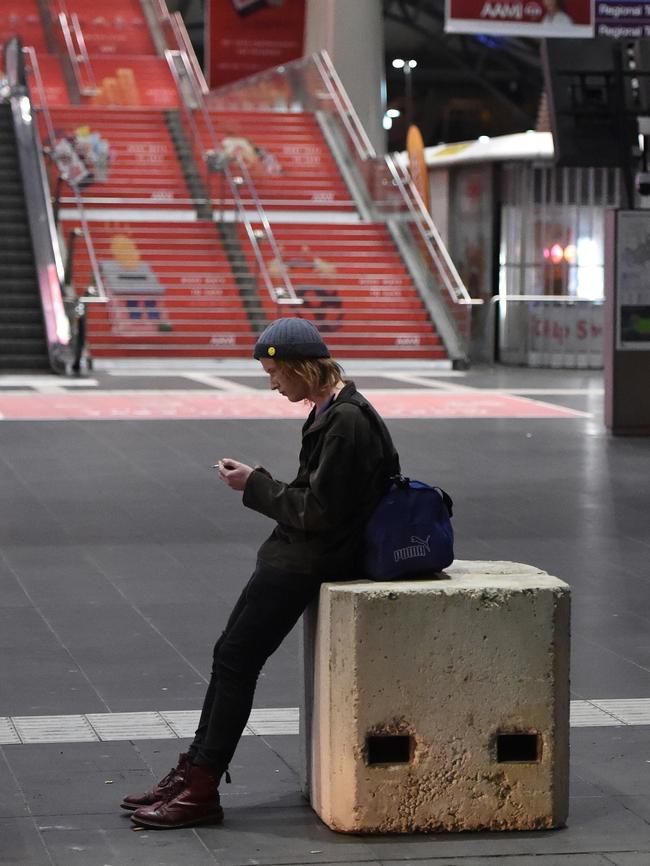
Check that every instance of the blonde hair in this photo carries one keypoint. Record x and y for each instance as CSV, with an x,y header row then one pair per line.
x,y
318,374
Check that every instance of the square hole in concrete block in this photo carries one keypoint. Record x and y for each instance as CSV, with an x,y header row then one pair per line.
x,y
518,747
389,749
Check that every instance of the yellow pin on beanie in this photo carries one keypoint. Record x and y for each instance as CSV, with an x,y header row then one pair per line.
x,y
290,338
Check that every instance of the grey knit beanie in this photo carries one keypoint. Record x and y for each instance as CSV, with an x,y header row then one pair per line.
x,y
289,339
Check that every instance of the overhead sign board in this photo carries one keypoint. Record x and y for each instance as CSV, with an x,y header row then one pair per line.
x,y
623,19
530,18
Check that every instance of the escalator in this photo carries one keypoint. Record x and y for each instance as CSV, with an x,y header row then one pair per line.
x,y
23,343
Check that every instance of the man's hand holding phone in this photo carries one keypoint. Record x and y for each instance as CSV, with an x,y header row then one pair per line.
x,y
234,473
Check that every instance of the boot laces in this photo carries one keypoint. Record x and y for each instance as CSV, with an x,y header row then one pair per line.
x,y
168,778
174,789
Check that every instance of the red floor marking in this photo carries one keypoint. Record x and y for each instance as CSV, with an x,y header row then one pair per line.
x,y
106,405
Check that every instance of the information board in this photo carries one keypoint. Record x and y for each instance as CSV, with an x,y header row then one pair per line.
x,y
622,19
633,280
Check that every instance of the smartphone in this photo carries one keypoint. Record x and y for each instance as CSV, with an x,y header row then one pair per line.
x,y
223,464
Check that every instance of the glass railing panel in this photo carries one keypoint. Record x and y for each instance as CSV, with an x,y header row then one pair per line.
x,y
311,84
542,331
235,178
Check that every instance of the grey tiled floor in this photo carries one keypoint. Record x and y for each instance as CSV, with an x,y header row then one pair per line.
x,y
120,556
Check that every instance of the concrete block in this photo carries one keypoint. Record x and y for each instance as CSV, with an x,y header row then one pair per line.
x,y
439,705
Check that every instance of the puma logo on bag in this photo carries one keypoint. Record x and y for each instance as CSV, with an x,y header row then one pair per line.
x,y
418,547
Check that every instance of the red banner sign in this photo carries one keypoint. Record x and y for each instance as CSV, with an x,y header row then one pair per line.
x,y
533,18
247,36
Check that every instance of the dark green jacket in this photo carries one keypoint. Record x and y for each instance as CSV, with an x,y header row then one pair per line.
x,y
346,458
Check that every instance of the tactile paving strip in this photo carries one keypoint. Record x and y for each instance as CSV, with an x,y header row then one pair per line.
x,y
277,721
586,714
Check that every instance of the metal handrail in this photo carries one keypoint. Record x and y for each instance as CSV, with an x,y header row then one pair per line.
x,y
83,51
184,44
96,293
30,52
77,56
563,299
162,12
323,93
345,109
173,25
323,65
100,294
428,232
45,242
366,155
286,294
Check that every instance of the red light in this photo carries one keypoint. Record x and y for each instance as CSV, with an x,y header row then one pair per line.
x,y
557,254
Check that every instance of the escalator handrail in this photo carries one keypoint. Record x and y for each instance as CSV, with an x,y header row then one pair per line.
x,y
48,262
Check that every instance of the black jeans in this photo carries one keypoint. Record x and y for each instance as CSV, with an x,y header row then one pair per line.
x,y
266,611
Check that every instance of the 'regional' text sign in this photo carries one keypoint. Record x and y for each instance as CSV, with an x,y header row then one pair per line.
x,y
623,19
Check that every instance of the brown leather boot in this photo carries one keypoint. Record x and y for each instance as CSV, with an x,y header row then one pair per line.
x,y
196,803
168,785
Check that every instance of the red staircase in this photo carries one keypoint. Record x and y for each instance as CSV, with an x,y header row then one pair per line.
x,y
113,27
22,18
287,157
173,288
355,286
133,81
143,169
56,90
173,293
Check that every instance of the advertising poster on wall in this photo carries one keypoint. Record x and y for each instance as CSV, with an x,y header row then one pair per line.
x,y
244,37
531,18
471,227
633,280
417,164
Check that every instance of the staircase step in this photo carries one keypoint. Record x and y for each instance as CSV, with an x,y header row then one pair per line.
x,y
10,226
22,255
10,186
31,315
202,311
17,271
18,292
12,198
20,331
15,216
10,362
19,346
15,242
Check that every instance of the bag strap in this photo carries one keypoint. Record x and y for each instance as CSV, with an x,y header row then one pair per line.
x,y
446,498
403,482
390,456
